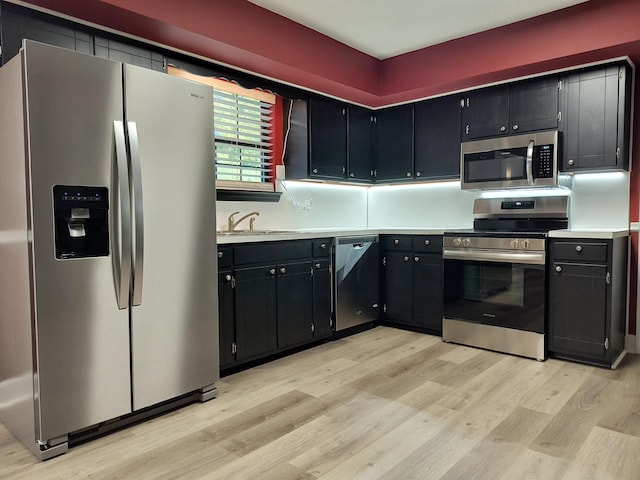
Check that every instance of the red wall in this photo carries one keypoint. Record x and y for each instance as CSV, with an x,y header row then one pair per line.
x,y
243,35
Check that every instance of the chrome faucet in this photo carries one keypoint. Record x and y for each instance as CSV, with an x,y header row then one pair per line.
x,y
232,223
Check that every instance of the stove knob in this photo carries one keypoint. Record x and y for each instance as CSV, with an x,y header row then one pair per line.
x,y
457,242
526,244
515,244
466,242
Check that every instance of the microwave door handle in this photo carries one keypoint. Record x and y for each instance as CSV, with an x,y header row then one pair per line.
x,y
530,162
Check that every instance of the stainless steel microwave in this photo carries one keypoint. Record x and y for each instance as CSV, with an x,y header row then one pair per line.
x,y
515,161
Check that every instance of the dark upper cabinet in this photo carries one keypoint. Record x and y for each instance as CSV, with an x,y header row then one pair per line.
x,y
360,134
394,144
128,52
327,138
437,138
596,118
485,112
514,108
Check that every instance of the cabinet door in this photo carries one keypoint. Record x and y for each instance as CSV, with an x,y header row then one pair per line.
x,y
321,299
226,317
255,305
360,144
533,105
398,281
295,304
591,116
328,138
578,309
427,291
437,138
394,143
485,113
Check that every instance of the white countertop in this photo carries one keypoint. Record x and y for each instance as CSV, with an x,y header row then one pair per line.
x,y
605,233
269,235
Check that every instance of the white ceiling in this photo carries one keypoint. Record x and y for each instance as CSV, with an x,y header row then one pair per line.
x,y
385,28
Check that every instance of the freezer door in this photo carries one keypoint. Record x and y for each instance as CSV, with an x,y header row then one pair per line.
x,y
82,337
175,314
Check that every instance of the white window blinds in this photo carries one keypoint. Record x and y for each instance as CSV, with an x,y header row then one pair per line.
x,y
243,134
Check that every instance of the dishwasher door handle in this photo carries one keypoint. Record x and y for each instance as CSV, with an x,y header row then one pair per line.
x,y
358,245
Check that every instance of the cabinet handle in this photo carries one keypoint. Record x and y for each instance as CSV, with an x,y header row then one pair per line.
x,y
283,270
272,271
578,248
315,170
416,259
427,242
466,129
323,245
318,265
558,268
396,242
503,128
220,254
571,162
406,259
352,174
418,174
227,278
515,127
408,174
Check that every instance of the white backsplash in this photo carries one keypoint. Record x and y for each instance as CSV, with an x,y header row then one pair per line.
x,y
596,201
600,200
427,205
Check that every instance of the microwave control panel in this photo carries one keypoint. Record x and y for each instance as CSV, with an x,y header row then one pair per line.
x,y
543,165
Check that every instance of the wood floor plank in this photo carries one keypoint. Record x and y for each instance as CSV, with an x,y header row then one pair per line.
x,y
387,404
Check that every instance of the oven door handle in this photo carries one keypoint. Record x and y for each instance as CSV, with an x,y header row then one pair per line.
x,y
530,162
529,258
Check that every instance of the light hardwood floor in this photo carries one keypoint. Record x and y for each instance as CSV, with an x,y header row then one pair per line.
x,y
383,404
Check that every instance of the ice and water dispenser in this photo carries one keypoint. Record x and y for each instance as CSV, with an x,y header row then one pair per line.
x,y
81,221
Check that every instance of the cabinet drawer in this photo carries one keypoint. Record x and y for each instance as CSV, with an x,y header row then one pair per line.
x,y
321,265
225,257
396,243
321,247
271,252
427,243
576,251
294,269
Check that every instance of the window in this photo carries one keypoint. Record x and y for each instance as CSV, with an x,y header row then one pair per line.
x,y
243,134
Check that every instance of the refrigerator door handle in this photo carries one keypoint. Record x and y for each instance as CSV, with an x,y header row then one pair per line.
x,y
122,222
138,213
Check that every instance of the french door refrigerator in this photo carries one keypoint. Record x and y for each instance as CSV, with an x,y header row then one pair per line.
x,y
108,295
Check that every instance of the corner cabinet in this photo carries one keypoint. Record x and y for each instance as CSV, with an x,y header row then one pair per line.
x,y
394,144
413,281
596,118
587,299
273,296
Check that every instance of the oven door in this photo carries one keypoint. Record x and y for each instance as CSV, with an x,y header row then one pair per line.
x,y
493,287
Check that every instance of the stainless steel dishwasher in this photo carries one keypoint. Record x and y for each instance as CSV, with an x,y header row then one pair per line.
x,y
356,295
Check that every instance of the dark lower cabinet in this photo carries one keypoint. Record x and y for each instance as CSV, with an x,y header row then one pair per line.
x,y
256,315
413,281
295,304
273,296
587,299
226,317
322,321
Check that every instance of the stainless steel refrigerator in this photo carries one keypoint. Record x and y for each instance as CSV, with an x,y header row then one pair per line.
x,y
108,294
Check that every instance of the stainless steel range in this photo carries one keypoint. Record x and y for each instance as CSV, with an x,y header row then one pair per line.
x,y
495,275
